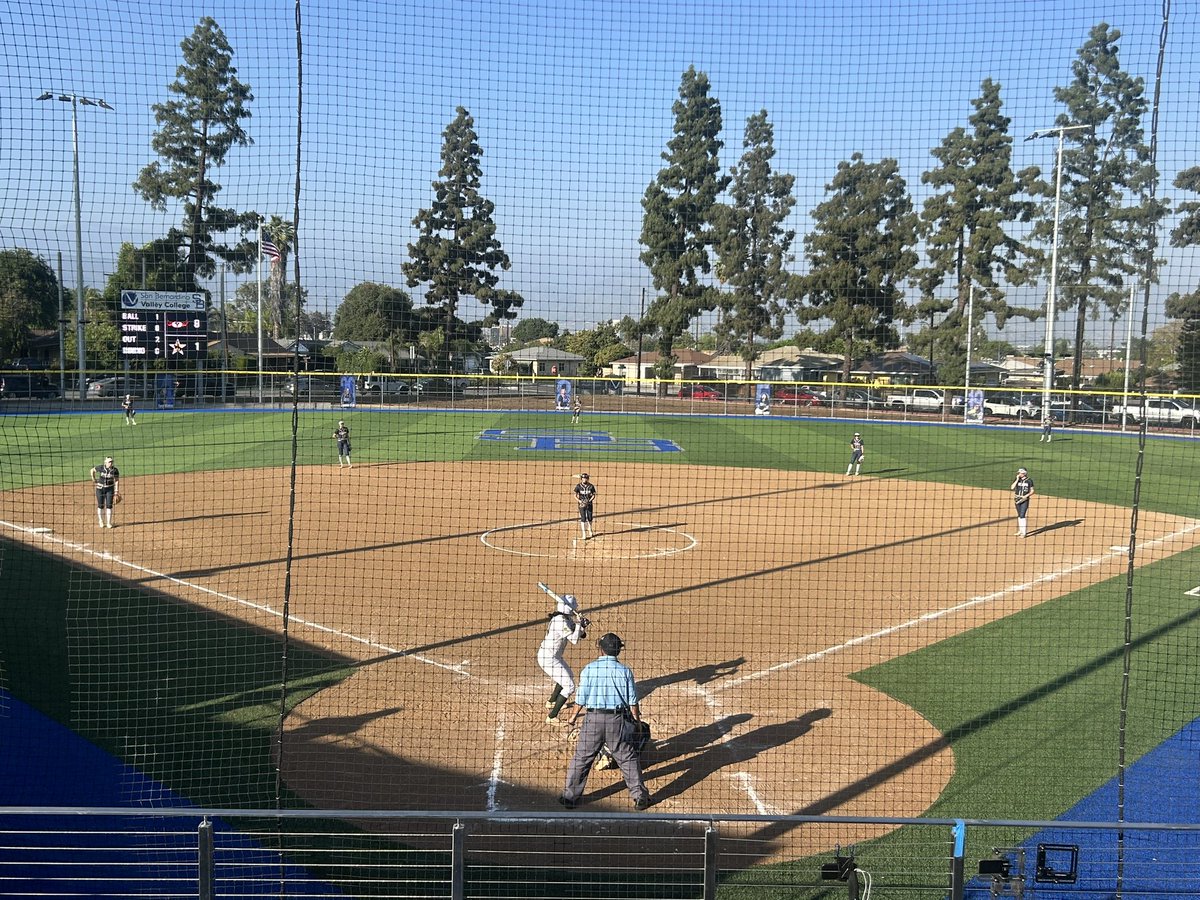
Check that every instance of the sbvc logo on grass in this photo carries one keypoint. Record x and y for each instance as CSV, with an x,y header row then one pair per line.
x,y
553,439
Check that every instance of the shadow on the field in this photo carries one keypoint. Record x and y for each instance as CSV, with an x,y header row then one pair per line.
x,y
709,758
642,529
696,675
684,590
341,726
1054,526
200,518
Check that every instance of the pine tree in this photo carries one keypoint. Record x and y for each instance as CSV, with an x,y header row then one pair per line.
x,y
753,247
457,253
197,129
966,224
860,251
1187,306
1107,215
677,221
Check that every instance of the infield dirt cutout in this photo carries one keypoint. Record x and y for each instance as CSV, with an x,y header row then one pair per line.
x,y
745,599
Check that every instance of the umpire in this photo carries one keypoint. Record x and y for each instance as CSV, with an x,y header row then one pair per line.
x,y
608,692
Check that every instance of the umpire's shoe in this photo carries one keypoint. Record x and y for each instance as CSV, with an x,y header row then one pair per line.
x,y
644,803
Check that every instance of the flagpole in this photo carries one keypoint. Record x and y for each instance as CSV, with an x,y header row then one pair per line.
x,y
259,317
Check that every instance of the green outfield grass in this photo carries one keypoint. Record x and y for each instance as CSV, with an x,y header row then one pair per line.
x,y
1029,703
1079,465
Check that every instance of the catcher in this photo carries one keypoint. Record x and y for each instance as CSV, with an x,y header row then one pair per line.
x,y
566,624
107,479
857,453
585,496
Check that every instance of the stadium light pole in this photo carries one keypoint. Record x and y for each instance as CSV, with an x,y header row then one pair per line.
x,y
81,353
1052,294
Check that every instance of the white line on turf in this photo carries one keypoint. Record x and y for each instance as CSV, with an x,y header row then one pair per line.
x,y
951,610
85,550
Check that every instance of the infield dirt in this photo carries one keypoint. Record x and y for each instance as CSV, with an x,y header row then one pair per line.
x,y
745,598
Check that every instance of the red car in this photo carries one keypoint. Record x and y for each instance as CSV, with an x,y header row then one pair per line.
x,y
801,396
698,392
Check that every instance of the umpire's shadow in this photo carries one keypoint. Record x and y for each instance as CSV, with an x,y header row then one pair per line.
x,y
694,769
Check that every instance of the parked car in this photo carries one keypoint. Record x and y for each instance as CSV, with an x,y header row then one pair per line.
x,y
863,398
698,392
387,386
799,395
1160,411
27,387
310,388
1084,413
918,399
1018,406
439,387
109,386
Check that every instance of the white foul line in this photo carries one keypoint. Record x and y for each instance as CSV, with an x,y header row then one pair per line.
x,y
85,550
497,759
951,610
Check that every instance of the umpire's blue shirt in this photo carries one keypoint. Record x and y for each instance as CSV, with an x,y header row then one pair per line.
x,y
606,683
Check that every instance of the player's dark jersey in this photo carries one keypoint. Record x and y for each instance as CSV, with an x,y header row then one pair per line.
x,y
1022,489
585,492
106,476
342,434
856,444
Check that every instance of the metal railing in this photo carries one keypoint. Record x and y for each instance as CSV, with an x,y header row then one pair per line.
x,y
223,853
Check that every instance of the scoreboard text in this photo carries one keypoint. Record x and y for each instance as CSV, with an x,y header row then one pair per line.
x,y
163,325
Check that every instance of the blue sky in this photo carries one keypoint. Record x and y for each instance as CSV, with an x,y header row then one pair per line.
x,y
572,103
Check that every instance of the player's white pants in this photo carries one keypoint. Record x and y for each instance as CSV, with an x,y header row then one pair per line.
x,y
559,671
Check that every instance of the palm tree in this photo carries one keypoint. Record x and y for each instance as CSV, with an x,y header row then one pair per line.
x,y
283,234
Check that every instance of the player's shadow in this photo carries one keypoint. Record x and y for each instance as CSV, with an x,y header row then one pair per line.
x,y
330,726
693,770
892,471
691,741
201,518
696,675
639,529
1054,526
709,758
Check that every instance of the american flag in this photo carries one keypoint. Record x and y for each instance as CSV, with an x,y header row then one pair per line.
x,y
269,249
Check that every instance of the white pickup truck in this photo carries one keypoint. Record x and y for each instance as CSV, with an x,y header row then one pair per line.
x,y
1160,411
917,400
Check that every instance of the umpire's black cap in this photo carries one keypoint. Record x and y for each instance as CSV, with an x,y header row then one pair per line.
x,y
610,644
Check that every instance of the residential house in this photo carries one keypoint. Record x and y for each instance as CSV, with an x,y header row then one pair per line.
x,y
688,366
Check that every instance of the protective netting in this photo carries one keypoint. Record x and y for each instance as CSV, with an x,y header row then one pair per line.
x,y
506,245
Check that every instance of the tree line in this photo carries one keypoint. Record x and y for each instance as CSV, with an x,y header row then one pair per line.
x,y
713,238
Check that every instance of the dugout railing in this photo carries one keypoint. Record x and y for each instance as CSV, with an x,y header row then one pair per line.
x,y
223,853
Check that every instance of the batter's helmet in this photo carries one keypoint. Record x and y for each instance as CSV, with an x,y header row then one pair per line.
x,y
611,644
568,604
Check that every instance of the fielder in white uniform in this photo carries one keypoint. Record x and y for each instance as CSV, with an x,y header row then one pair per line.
x,y
566,624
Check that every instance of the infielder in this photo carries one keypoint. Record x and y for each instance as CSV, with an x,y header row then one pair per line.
x,y
107,479
130,412
566,624
342,436
1022,488
585,496
857,454
608,690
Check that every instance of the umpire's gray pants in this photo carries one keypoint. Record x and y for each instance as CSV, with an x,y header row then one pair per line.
x,y
601,729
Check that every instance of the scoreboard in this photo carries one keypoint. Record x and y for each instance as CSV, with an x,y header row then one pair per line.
x,y
163,325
